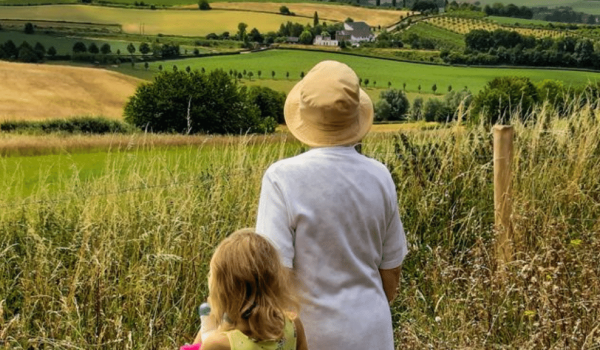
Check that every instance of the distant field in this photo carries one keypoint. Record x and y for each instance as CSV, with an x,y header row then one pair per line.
x,y
512,21
183,22
465,25
63,45
326,12
445,37
31,92
587,6
381,71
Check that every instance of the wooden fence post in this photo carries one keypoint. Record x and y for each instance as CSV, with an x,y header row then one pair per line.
x,y
503,154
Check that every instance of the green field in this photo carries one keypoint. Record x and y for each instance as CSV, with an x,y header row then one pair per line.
x,y
587,6
512,21
149,2
63,45
381,71
175,22
445,38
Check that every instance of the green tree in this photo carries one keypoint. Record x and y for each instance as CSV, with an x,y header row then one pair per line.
x,y
284,10
146,65
188,69
250,75
503,98
51,51
349,20
29,29
242,30
272,74
315,19
259,73
419,88
105,49
144,48
287,75
40,50
449,88
416,111
160,68
175,68
302,75
79,47
392,105
118,52
131,49
27,54
269,101
436,111
434,88
389,84
203,5
404,86
215,102
366,82
305,38
93,48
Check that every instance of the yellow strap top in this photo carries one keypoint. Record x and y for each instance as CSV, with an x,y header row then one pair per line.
x,y
240,341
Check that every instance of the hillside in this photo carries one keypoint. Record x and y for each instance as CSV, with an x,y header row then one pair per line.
x,y
33,92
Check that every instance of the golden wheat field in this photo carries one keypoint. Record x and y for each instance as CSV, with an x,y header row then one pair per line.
x,y
33,92
175,22
337,13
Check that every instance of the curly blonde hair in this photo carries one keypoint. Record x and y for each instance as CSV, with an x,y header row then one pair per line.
x,y
248,281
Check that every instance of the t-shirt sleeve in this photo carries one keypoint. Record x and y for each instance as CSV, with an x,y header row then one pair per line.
x,y
273,219
394,242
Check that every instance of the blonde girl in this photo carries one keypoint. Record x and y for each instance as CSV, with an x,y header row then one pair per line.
x,y
253,301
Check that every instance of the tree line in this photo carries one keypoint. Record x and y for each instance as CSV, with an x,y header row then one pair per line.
x,y
498,101
508,47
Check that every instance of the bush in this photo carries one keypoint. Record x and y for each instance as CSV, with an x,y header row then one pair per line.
x,y
216,105
29,28
204,5
269,101
393,105
84,125
503,97
436,111
79,47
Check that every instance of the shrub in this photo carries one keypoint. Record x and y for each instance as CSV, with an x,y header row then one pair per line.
x,y
204,5
79,47
269,101
503,97
84,125
29,28
393,105
436,111
216,105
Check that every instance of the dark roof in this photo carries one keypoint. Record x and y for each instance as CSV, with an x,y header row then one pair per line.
x,y
359,29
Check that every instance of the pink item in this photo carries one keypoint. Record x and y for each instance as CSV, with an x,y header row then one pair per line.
x,y
191,347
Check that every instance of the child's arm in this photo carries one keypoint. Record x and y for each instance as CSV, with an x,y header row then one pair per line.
x,y
391,282
216,341
300,336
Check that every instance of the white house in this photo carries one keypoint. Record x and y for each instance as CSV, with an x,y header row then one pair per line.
x,y
324,40
355,32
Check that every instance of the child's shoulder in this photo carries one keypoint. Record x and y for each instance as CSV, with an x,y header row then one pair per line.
x,y
217,341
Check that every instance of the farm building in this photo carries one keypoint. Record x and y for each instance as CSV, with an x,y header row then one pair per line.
x,y
325,40
355,32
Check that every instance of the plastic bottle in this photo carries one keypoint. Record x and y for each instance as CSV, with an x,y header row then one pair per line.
x,y
207,326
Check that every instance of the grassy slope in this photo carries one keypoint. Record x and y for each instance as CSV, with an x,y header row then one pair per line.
x,y
63,45
512,21
183,22
31,91
446,37
382,71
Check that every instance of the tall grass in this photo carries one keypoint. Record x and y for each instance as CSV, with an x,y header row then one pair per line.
x,y
120,262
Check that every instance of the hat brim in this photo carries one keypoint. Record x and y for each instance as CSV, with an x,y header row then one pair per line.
x,y
314,137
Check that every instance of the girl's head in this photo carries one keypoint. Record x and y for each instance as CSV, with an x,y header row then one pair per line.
x,y
247,281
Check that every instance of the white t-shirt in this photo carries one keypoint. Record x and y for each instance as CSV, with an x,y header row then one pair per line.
x,y
333,215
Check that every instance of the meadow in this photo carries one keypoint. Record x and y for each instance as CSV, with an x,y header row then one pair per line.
x,y
378,70
174,22
465,25
62,44
111,249
443,37
512,21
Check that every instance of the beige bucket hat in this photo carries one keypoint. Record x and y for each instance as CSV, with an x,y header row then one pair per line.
x,y
328,107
